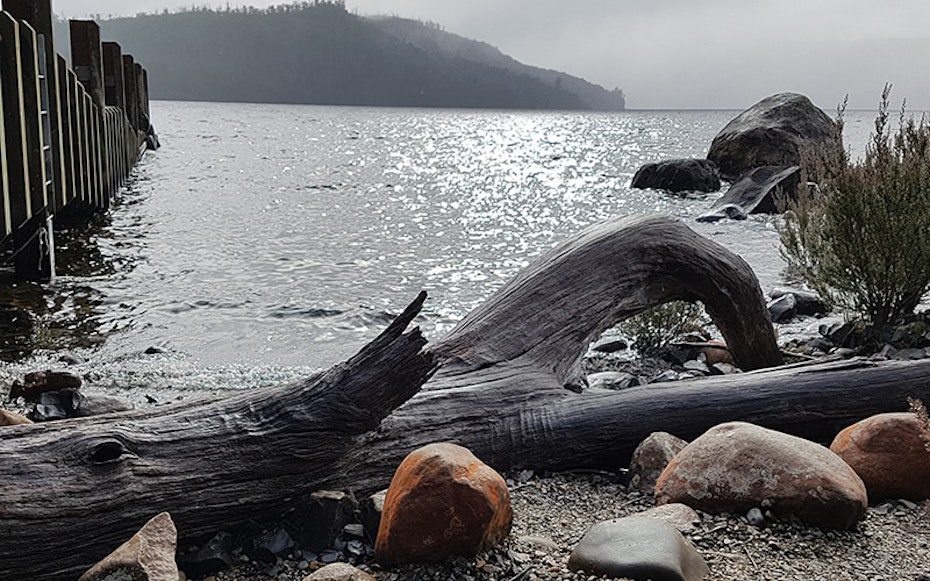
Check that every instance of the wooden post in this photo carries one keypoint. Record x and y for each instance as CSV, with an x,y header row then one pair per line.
x,y
116,97
67,132
145,94
14,121
86,142
113,75
6,222
94,149
140,98
87,58
109,144
132,90
25,150
32,105
76,97
38,14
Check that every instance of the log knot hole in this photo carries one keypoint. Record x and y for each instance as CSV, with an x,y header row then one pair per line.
x,y
109,451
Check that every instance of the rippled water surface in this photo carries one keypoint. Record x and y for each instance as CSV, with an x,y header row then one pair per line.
x,y
267,236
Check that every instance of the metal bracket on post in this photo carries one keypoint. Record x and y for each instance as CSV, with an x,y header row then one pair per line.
x,y
50,241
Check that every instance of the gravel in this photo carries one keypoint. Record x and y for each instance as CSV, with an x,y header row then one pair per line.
x,y
552,513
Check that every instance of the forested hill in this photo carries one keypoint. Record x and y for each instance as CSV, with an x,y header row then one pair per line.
x,y
431,38
319,53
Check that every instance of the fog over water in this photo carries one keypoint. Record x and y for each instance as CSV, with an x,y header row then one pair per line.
x,y
679,55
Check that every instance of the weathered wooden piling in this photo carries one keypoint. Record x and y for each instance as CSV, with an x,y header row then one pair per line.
x,y
68,137
132,89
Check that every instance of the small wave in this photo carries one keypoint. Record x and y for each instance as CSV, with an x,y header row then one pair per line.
x,y
304,313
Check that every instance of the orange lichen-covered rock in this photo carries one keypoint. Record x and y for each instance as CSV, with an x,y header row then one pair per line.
x,y
736,466
717,352
442,502
890,453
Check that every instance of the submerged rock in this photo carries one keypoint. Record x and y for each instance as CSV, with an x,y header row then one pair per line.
x,y
731,211
678,175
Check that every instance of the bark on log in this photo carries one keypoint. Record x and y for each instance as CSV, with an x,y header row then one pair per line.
x,y
74,490
516,416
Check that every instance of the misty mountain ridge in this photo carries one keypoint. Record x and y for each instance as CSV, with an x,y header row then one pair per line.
x,y
319,53
431,38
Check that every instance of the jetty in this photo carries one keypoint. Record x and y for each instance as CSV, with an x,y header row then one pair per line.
x,y
69,135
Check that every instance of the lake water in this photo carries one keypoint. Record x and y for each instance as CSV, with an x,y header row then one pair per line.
x,y
262,240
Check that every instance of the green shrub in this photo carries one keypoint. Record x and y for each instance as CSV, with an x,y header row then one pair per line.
x,y
863,242
656,327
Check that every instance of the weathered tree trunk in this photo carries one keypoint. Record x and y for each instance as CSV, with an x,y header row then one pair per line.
x,y
516,416
74,490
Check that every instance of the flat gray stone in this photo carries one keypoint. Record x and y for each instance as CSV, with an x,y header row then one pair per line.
x,y
615,380
637,548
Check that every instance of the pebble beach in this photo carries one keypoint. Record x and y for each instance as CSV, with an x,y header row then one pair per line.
x,y
553,512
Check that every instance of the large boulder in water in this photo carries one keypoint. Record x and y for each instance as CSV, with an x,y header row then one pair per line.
x,y
678,175
771,132
756,192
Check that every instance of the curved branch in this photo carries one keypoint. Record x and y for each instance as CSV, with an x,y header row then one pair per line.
x,y
554,308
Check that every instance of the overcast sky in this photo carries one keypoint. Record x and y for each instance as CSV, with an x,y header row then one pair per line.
x,y
678,53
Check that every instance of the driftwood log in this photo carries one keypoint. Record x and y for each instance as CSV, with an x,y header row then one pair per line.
x,y
74,490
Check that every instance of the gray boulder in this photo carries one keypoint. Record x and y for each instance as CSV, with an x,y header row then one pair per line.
x,y
771,132
318,518
678,175
637,547
736,466
805,302
783,309
650,458
615,380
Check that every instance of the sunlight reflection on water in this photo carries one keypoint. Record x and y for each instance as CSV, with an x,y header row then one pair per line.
x,y
287,235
